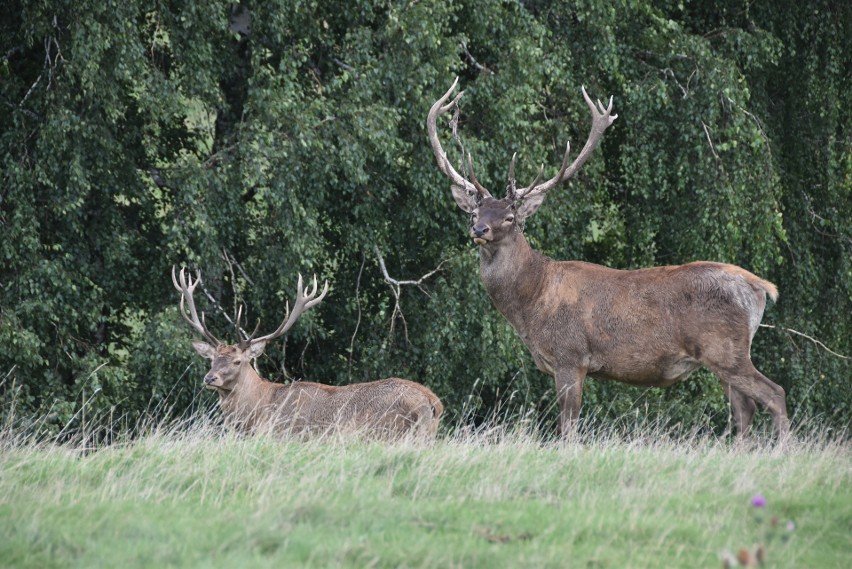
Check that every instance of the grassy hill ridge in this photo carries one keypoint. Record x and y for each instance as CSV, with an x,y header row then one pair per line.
x,y
193,497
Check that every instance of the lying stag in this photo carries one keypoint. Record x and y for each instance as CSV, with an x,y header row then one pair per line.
x,y
648,327
391,408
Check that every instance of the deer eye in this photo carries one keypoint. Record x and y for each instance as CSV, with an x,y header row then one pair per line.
x,y
236,362
510,219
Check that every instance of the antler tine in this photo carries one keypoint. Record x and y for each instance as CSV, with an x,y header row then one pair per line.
x,y
304,301
479,187
529,188
299,286
246,337
256,328
317,300
560,174
601,119
186,288
446,96
438,108
511,189
599,109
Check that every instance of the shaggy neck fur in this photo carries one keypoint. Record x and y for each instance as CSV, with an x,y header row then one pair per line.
x,y
513,274
247,404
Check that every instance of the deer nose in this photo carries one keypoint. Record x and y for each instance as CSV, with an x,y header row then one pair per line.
x,y
208,379
480,229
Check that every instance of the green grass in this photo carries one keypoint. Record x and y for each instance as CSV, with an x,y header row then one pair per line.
x,y
191,497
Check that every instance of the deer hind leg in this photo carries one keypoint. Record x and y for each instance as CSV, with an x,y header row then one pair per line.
x,y
569,393
742,409
751,384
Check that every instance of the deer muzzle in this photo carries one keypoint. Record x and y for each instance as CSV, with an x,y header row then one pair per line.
x,y
480,233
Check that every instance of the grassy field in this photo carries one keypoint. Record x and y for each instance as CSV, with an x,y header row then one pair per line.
x,y
193,497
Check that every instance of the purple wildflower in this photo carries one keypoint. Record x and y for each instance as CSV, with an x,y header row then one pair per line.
x,y
758,501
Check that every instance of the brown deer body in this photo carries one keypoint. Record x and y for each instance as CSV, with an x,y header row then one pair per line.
x,y
390,408
647,327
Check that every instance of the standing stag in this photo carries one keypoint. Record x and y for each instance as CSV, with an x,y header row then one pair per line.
x,y
649,327
390,408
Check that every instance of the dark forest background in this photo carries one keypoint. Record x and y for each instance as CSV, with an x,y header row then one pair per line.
x,y
260,140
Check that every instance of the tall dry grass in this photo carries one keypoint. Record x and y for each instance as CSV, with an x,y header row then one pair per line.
x,y
506,494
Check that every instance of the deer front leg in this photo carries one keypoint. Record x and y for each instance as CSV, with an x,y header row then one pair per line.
x,y
569,393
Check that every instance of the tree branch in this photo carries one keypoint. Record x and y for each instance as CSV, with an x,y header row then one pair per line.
x,y
814,340
342,65
710,141
231,260
358,322
396,287
473,61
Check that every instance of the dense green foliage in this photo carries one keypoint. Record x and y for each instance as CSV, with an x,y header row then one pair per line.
x,y
283,137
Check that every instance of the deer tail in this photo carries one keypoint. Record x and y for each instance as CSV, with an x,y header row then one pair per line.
x,y
766,286
757,283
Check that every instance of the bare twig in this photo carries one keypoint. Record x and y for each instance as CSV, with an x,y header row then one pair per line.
x,y
13,51
756,120
154,38
668,73
49,42
395,282
30,91
238,304
216,304
358,322
342,65
238,308
232,260
473,61
219,308
454,126
396,287
710,141
27,112
815,216
812,339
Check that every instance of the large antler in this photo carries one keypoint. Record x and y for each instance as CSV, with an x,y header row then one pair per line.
x,y
440,107
601,119
186,287
304,301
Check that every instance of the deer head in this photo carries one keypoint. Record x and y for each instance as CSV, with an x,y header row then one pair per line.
x,y
493,219
232,362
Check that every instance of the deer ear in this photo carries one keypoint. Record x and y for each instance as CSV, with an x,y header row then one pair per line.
x,y
530,205
255,349
204,349
465,201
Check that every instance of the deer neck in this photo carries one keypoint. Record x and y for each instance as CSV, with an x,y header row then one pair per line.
x,y
513,274
246,404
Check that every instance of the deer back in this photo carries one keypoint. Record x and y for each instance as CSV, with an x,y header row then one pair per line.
x,y
388,409
646,327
